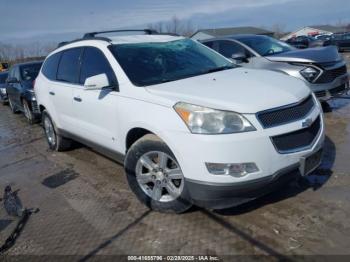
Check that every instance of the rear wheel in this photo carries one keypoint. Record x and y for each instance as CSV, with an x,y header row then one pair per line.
x,y
28,113
55,141
155,176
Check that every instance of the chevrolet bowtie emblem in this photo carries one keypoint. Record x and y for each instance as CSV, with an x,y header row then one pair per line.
x,y
307,122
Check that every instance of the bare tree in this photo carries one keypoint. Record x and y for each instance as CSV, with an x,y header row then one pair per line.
x,y
174,26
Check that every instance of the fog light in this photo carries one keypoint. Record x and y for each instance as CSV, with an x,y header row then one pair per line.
x,y
236,170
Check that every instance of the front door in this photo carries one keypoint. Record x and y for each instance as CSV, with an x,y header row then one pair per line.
x,y
95,111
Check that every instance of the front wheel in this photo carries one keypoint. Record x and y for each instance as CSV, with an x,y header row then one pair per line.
x,y
28,113
12,106
155,176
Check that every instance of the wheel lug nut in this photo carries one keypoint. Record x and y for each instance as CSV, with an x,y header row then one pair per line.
x,y
153,177
158,182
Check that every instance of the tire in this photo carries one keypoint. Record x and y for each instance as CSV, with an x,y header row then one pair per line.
x,y
28,113
55,141
151,187
12,106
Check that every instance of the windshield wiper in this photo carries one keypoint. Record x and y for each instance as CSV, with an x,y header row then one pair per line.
x,y
221,68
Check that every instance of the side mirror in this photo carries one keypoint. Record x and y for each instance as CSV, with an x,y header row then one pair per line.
x,y
96,82
239,57
12,80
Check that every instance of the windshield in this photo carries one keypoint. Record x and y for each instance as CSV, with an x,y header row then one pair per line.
x,y
30,72
154,63
265,45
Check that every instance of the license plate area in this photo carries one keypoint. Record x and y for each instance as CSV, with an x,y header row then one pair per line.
x,y
310,163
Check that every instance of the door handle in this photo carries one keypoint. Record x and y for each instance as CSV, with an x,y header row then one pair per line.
x,y
78,99
52,93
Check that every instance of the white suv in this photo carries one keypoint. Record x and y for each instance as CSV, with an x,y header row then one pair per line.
x,y
188,125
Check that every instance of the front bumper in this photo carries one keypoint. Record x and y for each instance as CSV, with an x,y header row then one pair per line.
x,y
219,196
335,88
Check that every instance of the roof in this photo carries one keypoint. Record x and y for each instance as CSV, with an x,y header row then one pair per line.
x,y
235,30
329,28
133,39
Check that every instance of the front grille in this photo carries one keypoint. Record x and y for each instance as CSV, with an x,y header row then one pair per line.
x,y
286,114
329,75
35,107
320,93
297,140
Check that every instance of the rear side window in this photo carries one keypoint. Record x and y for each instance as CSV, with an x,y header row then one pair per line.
x,y
50,66
94,63
68,69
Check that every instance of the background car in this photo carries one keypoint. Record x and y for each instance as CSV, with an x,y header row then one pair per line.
x,y
322,69
341,41
19,88
323,37
304,41
3,94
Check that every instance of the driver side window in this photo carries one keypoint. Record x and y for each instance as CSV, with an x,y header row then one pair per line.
x,y
228,48
94,63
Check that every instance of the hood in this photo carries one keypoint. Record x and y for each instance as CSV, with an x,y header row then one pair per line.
x,y
241,90
309,55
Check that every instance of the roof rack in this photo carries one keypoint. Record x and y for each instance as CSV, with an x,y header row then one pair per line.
x,y
93,34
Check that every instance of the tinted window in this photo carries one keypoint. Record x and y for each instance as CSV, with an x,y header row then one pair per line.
x,y
94,63
30,72
50,66
68,69
159,62
16,73
3,78
209,44
228,48
265,45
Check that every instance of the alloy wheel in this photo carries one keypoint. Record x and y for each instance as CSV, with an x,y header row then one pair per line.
x,y
27,111
159,176
49,131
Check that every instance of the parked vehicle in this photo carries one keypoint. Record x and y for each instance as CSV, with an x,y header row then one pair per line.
x,y
189,126
3,66
20,91
304,41
341,41
322,69
3,94
323,37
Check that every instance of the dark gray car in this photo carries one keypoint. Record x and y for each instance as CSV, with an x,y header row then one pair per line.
x,y
322,68
20,92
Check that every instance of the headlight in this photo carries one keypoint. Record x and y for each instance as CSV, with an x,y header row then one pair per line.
x,y
310,73
202,120
3,91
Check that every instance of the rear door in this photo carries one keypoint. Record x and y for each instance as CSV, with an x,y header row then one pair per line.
x,y
61,91
95,111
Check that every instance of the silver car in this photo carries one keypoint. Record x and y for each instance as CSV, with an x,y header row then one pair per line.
x,y
322,68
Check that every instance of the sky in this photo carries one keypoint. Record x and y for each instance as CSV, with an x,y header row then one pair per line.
x,y
25,20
